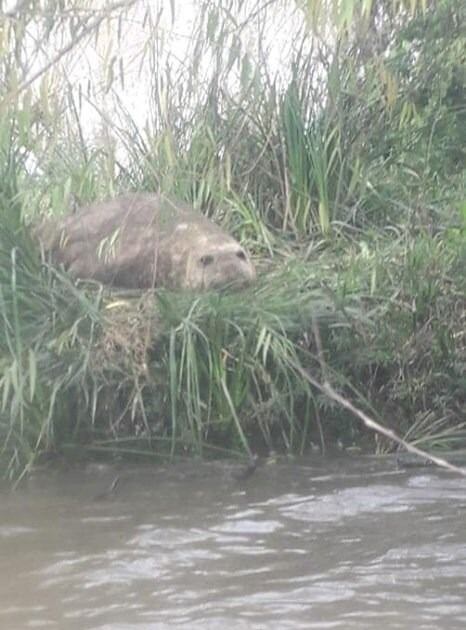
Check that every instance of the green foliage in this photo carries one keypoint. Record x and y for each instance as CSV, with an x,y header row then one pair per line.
x,y
48,329
334,151
411,364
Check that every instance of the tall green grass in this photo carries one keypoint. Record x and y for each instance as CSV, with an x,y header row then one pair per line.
x,y
48,330
333,153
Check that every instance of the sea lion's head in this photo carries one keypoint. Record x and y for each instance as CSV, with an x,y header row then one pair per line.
x,y
218,263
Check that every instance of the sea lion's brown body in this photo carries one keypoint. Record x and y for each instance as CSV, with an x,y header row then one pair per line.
x,y
145,240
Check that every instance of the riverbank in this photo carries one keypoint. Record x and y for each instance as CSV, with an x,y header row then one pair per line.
x,y
163,373
340,168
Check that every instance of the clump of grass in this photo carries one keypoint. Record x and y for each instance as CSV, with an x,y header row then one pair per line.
x,y
209,367
48,327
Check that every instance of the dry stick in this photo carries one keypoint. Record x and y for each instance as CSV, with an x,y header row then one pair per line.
x,y
327,389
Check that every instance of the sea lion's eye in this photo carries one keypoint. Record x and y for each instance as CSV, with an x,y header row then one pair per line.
x,y
241,255
206,260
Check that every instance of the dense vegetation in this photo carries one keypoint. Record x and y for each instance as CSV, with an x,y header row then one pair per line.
x,y
329,137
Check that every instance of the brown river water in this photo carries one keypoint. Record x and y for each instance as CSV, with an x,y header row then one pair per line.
x,y
350,543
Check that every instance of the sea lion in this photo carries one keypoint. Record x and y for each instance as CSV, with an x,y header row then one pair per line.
x,y
145,240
